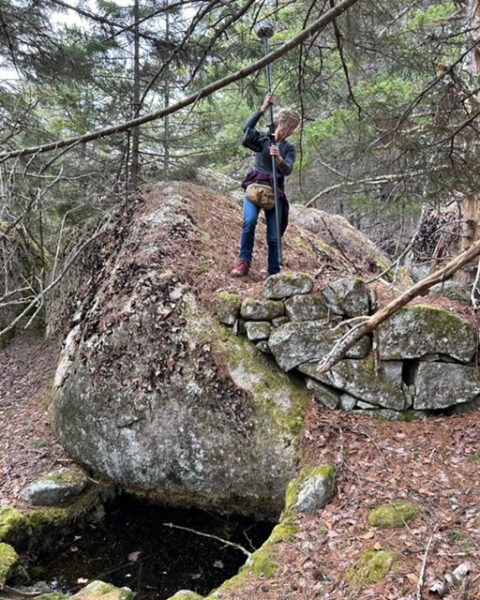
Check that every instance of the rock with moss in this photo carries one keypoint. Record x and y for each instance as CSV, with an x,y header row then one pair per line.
x,y
56,487
441,385
13,524
260,310
8,560
284,285
452,291
392,515
415,331
298,342
349,297
99,590
373,566
362,380
258,330
306,307
185,595
311,490
228,417
327,396
227,307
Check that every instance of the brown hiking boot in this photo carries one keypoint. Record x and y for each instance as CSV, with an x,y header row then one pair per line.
x,y
241,269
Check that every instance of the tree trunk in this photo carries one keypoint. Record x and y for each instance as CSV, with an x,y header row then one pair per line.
x,y
471,202
135,163
166,99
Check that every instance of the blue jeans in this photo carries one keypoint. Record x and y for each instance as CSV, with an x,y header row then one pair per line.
x,y
250,218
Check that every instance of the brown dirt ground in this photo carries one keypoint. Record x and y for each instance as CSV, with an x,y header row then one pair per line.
x,y
434,462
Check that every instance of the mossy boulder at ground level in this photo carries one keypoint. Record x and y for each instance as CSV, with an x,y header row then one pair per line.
x,y
311,490
371,567
55,488
395,514
99,590
8,560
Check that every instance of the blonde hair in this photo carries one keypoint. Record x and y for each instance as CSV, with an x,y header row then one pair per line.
x,y
288,116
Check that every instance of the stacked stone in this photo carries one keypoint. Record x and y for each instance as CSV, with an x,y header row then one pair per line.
x,y
424,356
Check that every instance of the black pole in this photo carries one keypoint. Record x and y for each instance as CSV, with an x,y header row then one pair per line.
x,y
265,30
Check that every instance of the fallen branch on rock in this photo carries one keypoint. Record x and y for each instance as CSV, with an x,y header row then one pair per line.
x,y
348,340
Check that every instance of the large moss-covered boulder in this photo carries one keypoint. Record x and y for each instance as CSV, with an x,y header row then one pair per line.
x,y
415,331
157,396
441,385
295,343
360,379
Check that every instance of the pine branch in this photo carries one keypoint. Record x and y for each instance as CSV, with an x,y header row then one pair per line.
x,y
219,84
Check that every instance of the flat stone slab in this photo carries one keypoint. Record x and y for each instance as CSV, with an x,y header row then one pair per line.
x,y
325,395
358,378
284,285
55,488
257,330
415,331
298,342
306,308
441,385
259,310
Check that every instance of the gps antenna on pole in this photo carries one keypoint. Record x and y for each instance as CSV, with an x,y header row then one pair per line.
x,y
264,31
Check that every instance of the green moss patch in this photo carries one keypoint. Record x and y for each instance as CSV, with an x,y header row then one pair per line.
x,y
371,567
13,524
8,560
395,514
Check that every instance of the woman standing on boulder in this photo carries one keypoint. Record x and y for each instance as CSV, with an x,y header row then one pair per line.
x,y
285,122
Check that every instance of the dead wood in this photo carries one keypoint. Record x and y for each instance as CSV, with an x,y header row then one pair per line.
x,y
353,336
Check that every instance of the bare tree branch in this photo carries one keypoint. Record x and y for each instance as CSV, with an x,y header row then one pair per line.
x,y
316,26
371,323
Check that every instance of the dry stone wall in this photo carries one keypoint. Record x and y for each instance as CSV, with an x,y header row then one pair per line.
x,y
425,355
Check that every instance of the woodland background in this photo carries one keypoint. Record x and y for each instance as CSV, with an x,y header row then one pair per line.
x,y
388,93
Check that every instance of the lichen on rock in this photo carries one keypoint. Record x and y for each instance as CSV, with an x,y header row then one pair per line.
x,y
418,330
284,285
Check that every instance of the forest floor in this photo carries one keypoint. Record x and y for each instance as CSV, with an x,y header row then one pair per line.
x,y
433,463
28,447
